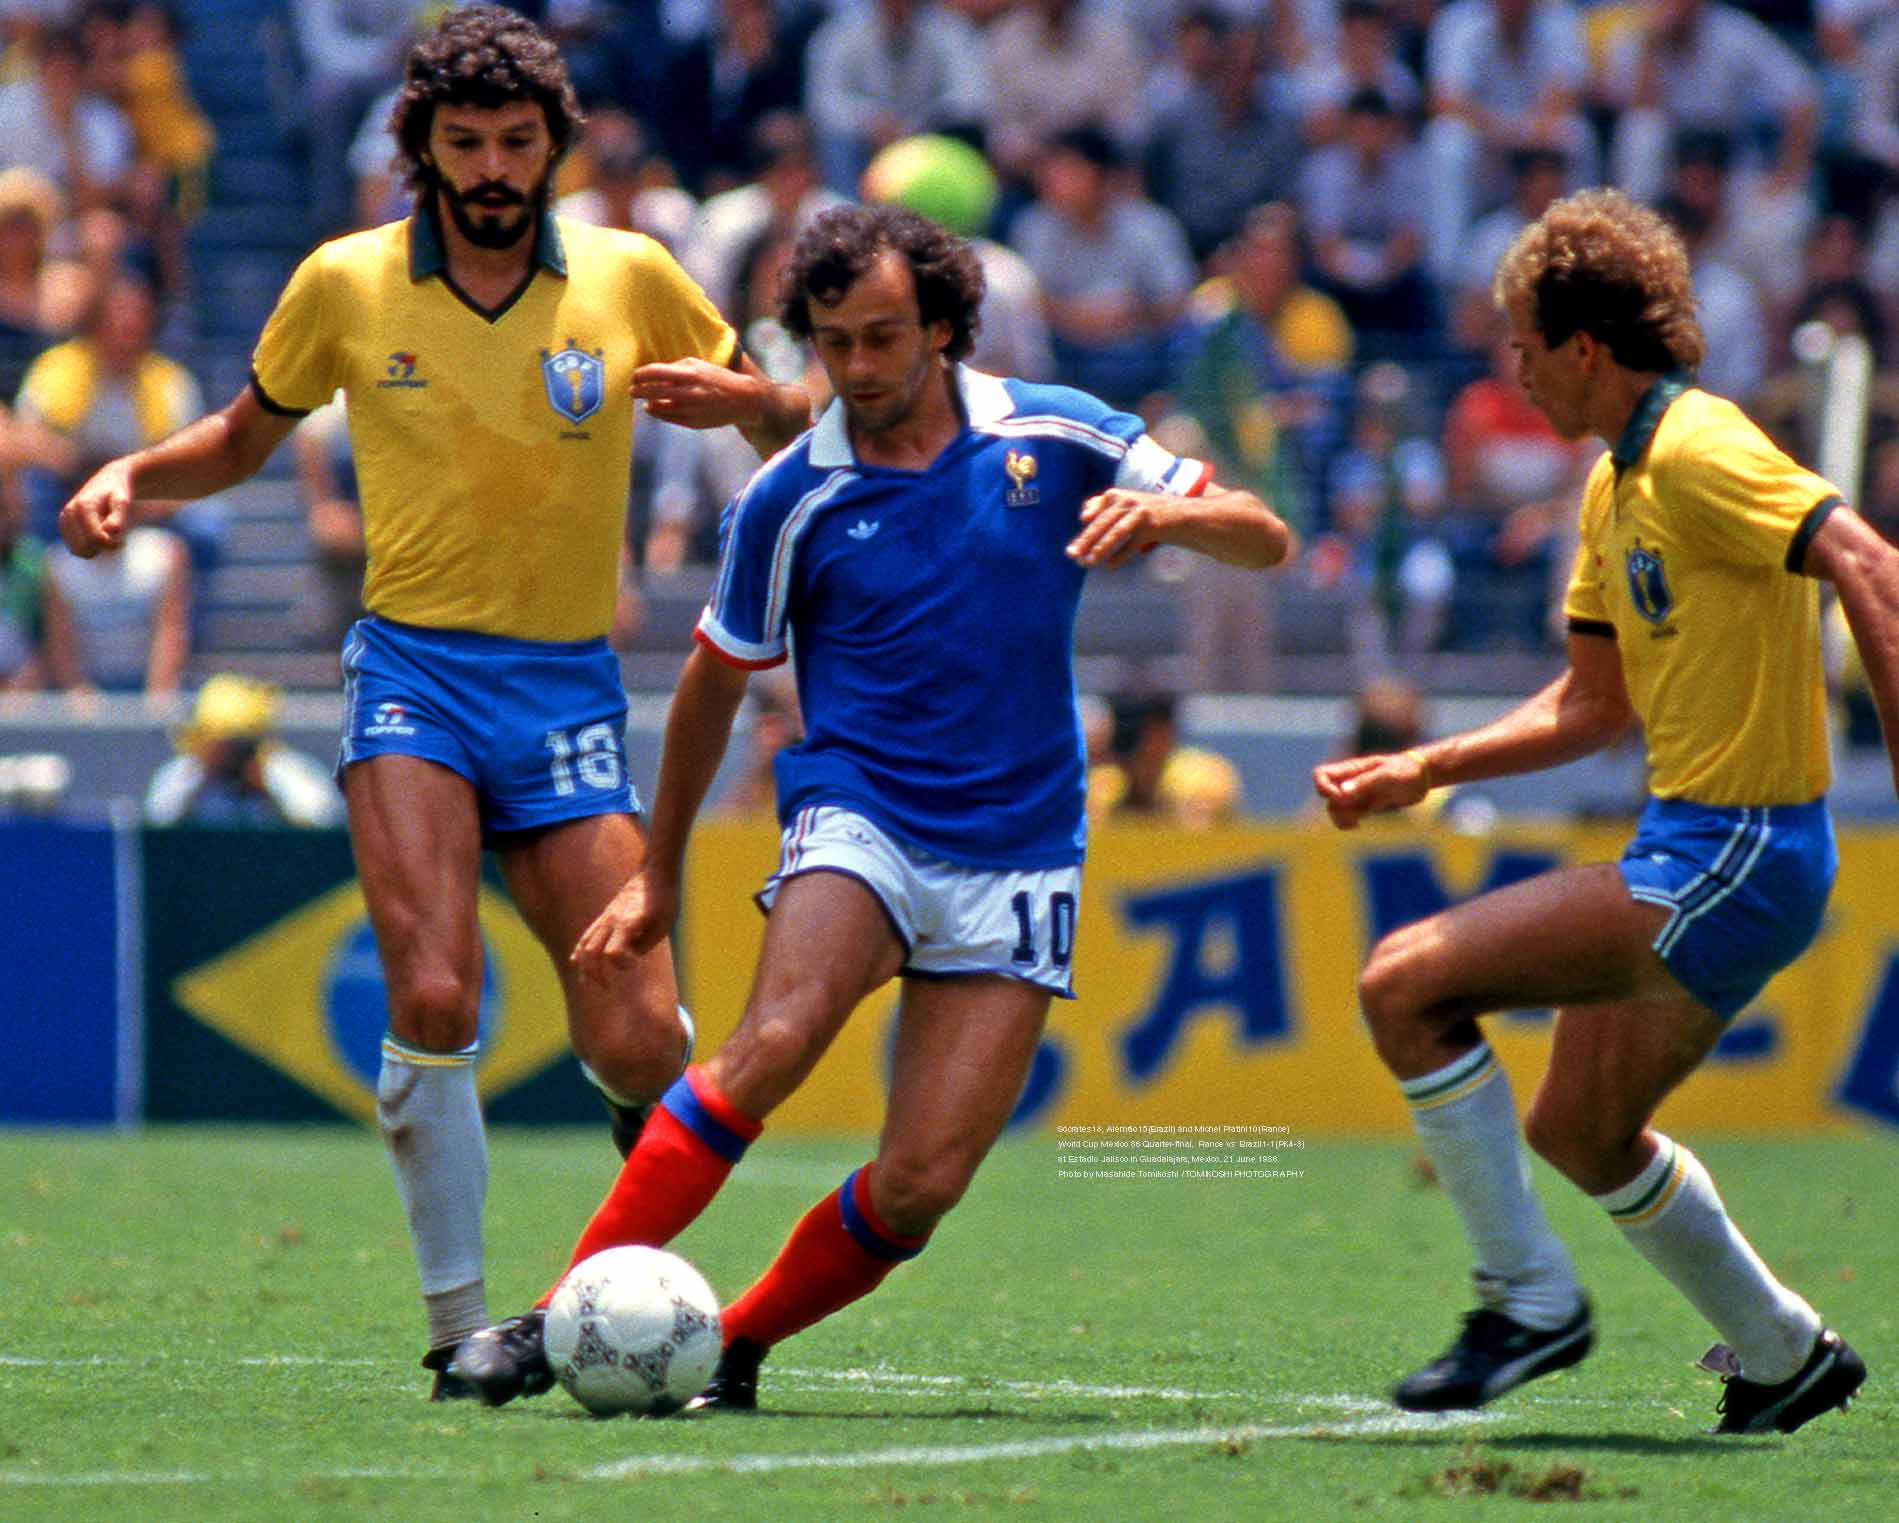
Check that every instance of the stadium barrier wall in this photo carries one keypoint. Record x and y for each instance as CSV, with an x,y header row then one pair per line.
x,y
230,975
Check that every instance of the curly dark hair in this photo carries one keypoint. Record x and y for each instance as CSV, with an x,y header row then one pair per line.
x,y
480,55
842,243
1599,263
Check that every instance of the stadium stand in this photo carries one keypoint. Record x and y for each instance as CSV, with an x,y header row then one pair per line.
x,y
248,71
242,249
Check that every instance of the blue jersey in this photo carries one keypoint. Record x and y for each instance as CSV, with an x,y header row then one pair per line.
x,y
931,615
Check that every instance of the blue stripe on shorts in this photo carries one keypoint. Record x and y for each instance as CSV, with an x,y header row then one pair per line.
x,y
1745,888
537,727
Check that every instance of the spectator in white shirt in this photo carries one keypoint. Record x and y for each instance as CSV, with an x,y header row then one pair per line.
x,y
1702,64
1505,75
1057,64
885,70
50,122
1115,268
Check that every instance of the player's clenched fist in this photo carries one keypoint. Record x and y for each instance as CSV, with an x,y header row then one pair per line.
x,y
1362,785
1116,524
96,517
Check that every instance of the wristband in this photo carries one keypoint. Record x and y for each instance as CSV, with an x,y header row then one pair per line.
x,y
1424,766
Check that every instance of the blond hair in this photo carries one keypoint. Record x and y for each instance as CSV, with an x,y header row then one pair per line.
x,y
1599,263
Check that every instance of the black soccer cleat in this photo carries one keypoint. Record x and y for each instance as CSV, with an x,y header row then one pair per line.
x,y
626,1122
1494,1354
507,1360
734,1383
447,1387
1832,1373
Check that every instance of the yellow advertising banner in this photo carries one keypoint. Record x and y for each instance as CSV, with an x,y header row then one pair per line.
x,y
1216,984
306,996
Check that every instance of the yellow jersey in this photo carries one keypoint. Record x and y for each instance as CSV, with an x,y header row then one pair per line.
x,y
1694,530
493,450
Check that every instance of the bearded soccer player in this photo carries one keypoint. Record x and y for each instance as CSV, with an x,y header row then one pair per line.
x,y
919,554
1693,608
490,355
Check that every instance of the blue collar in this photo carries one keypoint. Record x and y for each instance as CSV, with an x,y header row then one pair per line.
x,y
428,257
1647,417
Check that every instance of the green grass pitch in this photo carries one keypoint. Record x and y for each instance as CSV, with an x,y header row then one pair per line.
x,y
209,1325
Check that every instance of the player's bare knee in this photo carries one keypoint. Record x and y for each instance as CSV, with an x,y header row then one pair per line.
x,y
784,1037
636,1053
639,1059
1550,1134
436,1011
911,1197
1586,1148
1387,999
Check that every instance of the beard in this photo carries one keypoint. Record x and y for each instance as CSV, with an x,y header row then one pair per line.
x,y
492,221
899,403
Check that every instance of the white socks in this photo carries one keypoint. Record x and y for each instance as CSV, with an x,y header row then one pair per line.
x,y
431,1122
1467,1125
1673,1216
1670,1213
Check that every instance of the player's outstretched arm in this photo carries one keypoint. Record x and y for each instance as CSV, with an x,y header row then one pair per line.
x,y
218,451
1864,568
695,393
1582,711
698,727
1225,523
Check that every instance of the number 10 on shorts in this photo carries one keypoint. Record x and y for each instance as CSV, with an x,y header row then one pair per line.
x,y
593,752
1061,928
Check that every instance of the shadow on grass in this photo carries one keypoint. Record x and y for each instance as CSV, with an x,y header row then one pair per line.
x,y
1536,1443
775,1414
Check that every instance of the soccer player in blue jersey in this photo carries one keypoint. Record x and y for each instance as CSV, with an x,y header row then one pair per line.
x,y
1694,609
489,354
919,554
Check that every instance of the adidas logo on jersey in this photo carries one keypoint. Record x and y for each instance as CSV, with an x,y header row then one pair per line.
x,y
862,530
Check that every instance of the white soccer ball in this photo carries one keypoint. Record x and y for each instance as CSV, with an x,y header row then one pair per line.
x,y
633,1330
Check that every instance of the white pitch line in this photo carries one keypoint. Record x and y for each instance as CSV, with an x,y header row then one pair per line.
x,y
197,1478
916,1455
894,1380
267,1360
888,1381
21,1361
106,1478
1016,1449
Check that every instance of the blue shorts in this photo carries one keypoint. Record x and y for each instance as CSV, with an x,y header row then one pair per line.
x,y
1745,889
538,727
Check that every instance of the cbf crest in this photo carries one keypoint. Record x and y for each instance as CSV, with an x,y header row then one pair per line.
x,y
1019,466
576,381
1648,584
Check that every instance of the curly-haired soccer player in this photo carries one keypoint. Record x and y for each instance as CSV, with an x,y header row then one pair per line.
x,y
1693,608
490,355
919,555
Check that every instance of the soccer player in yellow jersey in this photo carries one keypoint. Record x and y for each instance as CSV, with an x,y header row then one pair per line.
x,y
1693,609
490,357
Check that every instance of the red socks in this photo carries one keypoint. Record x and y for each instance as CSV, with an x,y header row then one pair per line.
x,y
686,1151
837,1253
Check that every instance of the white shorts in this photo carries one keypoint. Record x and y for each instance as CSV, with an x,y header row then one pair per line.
x,y
951,919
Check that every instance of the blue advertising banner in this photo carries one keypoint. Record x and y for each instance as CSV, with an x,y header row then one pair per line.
x,y
67,1045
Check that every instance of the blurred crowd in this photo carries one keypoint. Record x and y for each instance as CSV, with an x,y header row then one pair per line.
x,y
1266,225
